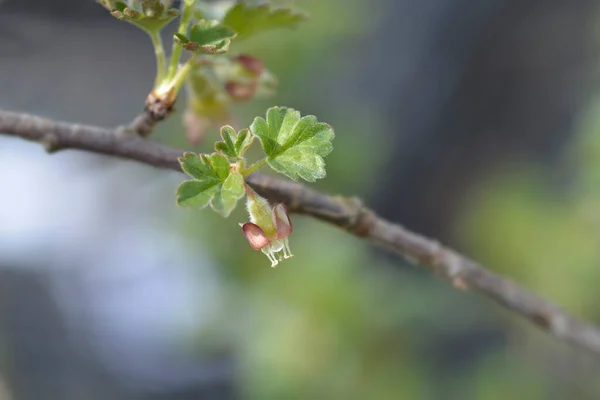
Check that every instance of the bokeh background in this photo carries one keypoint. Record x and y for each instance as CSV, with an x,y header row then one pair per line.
x,y
476,122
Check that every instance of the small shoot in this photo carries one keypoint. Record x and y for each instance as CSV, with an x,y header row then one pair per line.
x,y
234,145
293,145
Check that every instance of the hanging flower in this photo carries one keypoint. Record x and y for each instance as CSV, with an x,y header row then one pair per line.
x,y
268,229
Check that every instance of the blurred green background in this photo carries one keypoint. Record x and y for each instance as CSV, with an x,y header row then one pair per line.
x,y
476,123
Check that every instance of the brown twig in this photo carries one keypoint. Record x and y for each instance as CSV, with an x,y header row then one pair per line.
x,y
347,213
158,107
143,124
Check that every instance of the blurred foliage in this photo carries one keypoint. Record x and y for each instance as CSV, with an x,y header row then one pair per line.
x,y
541,227
335,322
544,233
247,19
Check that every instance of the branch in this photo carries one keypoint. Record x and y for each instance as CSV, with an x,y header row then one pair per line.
x,y
142,124
347,213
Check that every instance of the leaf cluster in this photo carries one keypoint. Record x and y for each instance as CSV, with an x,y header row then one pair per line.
x,y
293,146
209,33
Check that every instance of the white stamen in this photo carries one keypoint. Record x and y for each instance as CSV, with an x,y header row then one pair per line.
x,y
287,252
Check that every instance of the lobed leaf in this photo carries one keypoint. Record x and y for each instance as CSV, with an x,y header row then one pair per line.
x,y
196,194
248,20
212,183
294,145
234,144
207,36
232,190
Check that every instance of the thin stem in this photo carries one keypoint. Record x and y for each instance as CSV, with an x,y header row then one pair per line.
x,y
184,22
161,61
170,88
182,73
254,167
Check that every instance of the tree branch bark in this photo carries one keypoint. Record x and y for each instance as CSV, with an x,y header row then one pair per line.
x,y
347,213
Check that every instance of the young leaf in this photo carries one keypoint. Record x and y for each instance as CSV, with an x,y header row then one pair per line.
x,y
232,190
196,194
234,144
248,20
294,146
148,15
213,183
207,36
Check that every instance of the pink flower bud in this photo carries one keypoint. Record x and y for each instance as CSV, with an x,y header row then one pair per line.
x,y
256,237
269,228
281,220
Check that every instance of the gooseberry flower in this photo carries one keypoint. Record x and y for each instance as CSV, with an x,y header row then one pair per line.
x,y
268,229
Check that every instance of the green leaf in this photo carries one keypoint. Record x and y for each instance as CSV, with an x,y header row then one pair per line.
x,y
207,36
232,190
213,183
294,146
234,186
248,20
148,15
220,165
196,194
198,167
234,144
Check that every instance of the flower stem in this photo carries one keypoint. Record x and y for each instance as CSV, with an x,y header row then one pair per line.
x,y
182,73
161,61
254,167
184,22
